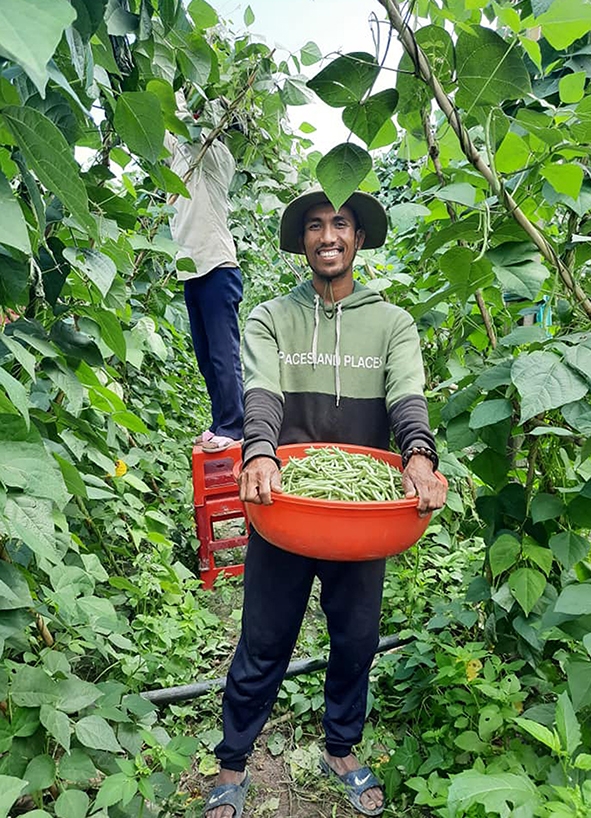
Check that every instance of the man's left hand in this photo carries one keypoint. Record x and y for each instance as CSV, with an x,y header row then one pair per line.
x,y
419,479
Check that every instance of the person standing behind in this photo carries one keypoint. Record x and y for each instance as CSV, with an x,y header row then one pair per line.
x,y
213,291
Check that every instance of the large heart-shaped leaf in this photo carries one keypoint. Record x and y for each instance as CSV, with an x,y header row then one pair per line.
x,y
341,171
489,69
346,80
544,383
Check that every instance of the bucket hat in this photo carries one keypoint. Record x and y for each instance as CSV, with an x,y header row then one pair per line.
x,y
370,213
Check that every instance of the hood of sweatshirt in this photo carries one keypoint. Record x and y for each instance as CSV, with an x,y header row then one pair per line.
x,y
306,295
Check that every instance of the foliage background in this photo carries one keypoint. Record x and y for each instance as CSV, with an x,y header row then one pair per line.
x,y
486,710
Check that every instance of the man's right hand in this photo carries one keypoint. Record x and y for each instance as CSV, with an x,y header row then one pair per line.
x,y
258,479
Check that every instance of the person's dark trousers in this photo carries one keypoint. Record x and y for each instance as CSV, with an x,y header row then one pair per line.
x,y
277,586
212,304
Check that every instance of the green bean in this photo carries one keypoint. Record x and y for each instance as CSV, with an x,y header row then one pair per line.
x,y
332,473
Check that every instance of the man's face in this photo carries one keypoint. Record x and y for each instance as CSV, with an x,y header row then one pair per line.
x,y
330,240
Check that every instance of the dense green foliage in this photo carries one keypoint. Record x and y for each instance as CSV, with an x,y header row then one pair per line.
x,y
486,710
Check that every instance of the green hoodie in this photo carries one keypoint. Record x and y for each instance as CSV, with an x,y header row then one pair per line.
x,y
341,375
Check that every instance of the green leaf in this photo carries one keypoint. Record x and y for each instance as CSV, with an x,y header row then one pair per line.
x,y
571,88
97,734
202,14
17,394
540,733
579,357
295,91
438,47
10,790
494,792
579,684
564,22
165,93
13,227
460,192
546,507
489,68
30,31
40,773
130,421
14,591
32,687
138,120
195,59
569,548
346,80
544,383
57,725
74,483
116,788
98,267
503,553
527,586
490,412
49,156
75,694
310,53
519,270
24,358
557,431
365,119
341,171
564,178
574,600
90,15
76,767
540,556
72,804
567,725
111,331
29,519
512,154
249,17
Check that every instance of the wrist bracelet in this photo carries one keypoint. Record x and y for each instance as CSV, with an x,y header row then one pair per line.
x,y
425,451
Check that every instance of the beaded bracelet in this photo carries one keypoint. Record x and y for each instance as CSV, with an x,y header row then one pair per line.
x,y
425,451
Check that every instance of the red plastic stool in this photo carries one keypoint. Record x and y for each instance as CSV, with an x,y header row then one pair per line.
x,y
215,498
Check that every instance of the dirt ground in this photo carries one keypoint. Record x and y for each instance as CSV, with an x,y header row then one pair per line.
x,y
275,794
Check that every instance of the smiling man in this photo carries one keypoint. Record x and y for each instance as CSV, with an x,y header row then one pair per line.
x,y
330,362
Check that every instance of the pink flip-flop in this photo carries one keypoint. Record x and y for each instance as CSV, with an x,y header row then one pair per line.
x,y
203,437
217,443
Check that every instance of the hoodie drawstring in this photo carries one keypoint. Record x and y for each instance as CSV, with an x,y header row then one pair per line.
x,y
337,353
315,334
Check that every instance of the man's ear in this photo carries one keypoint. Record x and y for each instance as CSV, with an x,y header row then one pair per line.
x,y
301,245
359,239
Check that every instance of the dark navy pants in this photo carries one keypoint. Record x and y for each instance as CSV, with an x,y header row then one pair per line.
x,y
212,303
277,587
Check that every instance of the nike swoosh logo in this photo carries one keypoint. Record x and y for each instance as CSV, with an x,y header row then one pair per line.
x,y
359,782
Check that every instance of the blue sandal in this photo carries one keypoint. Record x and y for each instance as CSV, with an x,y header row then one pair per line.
x,y
228,795
356,783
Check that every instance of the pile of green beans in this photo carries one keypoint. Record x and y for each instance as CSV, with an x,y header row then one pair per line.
x,y
333,474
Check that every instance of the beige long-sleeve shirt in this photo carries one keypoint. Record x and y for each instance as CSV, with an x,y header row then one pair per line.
x,y
200,224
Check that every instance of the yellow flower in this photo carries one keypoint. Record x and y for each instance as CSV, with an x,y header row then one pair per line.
x,y
120,468
473,668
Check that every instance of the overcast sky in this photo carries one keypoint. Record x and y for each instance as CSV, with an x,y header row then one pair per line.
x,y
334,25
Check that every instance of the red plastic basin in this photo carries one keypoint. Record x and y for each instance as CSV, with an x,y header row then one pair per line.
x,y
337,529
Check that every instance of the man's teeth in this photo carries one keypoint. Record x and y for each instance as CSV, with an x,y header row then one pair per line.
x,y
329,253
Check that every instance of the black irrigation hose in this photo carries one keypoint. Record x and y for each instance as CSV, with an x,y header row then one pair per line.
x,y
181,693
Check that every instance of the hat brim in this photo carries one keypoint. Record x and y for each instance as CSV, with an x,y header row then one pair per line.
x,y
370,214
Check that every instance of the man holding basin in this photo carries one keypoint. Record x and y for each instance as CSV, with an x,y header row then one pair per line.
x,y
330,362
